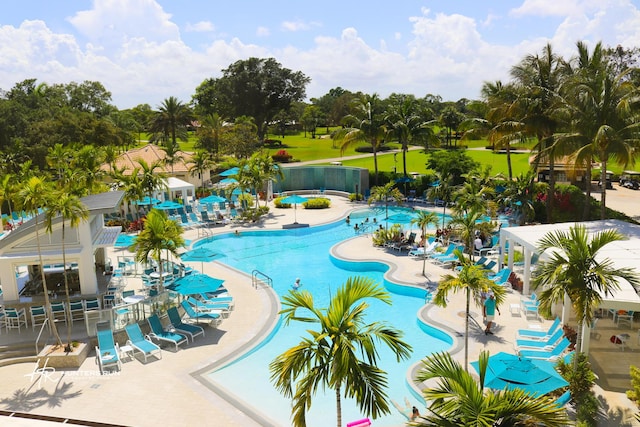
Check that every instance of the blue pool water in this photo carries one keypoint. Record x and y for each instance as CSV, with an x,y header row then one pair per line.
x,y
285,255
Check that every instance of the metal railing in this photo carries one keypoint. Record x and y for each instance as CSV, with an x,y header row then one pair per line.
x,y
258,278
45,323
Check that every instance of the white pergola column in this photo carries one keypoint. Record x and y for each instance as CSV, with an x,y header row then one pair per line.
x,y
86,262
526,275
8,280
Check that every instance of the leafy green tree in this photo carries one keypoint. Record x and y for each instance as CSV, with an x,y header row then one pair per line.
x,y
70,208
125,125
451,118
170,122
159,234
310,119
573,269
35,194
255,87
452,165
464,226
581,381
385,192
423,220
457,399
242,140
473,281
340,355
364,125
210,133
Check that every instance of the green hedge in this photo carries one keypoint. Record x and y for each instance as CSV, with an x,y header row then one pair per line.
x,y
317,203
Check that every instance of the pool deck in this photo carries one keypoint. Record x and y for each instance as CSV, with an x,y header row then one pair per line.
x,y
172,391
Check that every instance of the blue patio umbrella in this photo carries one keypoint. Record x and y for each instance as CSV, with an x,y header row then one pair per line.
x,y
195,283
230,172
228,181
509,371
201,253
294,200
212,199
404,179
124,241
146,200
168,204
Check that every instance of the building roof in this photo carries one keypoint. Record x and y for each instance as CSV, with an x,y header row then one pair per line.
x,y
150,153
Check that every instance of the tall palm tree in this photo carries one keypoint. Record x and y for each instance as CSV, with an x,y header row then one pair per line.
x,y
7,191
151,179
363,125
260,169
170,121
200,163
35,194
384,193
442,191
600,105
210,133
172,155
465,226
538,79
340,354
70,208
87,162
407,125
457,399
574,270
159,234
423,220
472,279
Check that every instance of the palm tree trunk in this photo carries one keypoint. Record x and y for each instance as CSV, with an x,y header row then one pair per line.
x,y
587,178
375,162
603,194
578,348
466,333
338,407
552,188
47,302
508,150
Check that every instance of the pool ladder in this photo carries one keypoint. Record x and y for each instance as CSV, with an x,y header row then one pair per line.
x,y
258,278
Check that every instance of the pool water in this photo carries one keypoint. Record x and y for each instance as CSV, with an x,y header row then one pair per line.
x,y
285,255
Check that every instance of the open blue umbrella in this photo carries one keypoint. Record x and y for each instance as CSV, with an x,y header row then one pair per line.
x,y
230,172
201,253
509,371
195,283
213,199
168,204
294,200
228,181
404,179
124,241
146,200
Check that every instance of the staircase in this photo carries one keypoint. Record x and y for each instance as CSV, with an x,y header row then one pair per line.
x,y
11,354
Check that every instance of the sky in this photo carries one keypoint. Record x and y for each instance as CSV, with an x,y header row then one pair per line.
x,y
144,51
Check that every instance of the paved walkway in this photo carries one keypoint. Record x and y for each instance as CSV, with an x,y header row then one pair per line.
x,y
172,391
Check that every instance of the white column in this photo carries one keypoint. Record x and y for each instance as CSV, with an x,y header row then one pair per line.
x,y
8,280
86,263
527,271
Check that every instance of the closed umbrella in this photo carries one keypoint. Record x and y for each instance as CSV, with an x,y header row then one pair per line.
x,y
294,200
509,371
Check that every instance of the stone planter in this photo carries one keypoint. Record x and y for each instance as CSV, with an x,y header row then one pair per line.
x,y
58,358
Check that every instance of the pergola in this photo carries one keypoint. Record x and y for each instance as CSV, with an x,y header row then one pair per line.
x,y
623,253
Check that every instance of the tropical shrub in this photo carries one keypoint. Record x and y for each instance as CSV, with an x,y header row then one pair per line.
x,y
277,202
356,197
317,203
282,156
634,393
581,381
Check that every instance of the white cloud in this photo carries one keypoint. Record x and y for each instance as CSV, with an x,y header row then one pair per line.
x,y
294,26
263,32
200,27
546,8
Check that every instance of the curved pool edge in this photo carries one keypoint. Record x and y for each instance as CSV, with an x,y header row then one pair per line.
x,y
423,315
202,375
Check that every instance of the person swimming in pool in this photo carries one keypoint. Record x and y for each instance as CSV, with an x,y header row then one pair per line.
x,y
297,284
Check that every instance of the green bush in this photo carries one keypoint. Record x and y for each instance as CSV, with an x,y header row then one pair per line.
x,y
317,203
634,393
581,382
278,203
356,197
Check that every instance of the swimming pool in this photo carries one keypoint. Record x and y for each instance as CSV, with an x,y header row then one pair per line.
x,y
286,254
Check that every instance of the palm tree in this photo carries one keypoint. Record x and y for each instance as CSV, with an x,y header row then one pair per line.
x,y
600,106
341,354
210,133
422,220
465,226
35,195
200,163
170,121
384,193
70,208
457,399
7,191
443,191
365,126
259,169
573,270
150,179
159,234
472,279
172,155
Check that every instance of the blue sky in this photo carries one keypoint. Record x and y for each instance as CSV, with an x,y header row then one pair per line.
x,y
144,51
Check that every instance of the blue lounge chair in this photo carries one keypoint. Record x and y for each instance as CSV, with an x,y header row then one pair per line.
x,y
184,328
221,308
540,344
446,253
107,351
140,343
542,335
208,299
501,276
197,315
158,332
449,259
556,352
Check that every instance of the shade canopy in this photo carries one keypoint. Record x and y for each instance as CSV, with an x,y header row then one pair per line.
x,y
404,179
167,205
294,200
509,371
147,201
212,199
230,172
124,241
201,253
195,283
